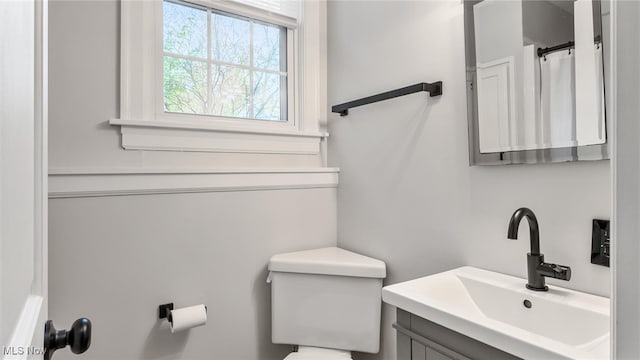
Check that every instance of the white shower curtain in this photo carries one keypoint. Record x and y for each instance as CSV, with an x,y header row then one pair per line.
x,y
557,99
601,135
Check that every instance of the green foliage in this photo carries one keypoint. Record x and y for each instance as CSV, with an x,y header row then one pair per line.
x,y
220,83
185,86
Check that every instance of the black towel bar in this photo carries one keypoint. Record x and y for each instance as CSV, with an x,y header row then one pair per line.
x,y
434,89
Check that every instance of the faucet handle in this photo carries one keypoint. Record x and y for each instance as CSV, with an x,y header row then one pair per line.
x,y
554,271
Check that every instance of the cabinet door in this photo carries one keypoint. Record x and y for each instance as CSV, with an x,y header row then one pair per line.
x,y
418,351
434,355
403,347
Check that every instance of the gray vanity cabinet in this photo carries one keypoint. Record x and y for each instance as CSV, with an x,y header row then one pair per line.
x,y
421,339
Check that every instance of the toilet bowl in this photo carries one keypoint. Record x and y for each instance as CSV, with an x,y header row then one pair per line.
x,y
315,353
326,301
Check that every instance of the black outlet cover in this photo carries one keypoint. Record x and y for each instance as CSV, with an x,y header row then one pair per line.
x,y
600,242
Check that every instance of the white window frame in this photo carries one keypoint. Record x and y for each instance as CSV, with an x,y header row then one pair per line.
x,y
146,126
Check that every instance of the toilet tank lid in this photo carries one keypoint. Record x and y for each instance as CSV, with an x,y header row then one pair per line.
x,y
328,261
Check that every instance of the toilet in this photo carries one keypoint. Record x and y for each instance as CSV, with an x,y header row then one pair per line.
x,y
327,302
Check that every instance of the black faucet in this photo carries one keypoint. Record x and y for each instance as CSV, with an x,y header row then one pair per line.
x,y
537,269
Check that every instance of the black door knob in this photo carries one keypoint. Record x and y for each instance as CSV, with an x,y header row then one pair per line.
x,y
78,338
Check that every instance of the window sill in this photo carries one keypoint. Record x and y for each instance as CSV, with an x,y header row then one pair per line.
x,y
190,136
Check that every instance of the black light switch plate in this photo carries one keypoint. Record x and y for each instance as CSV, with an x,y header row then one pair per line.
x,y
600,240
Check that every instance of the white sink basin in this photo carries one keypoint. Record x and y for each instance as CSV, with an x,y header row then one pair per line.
x,y
489,307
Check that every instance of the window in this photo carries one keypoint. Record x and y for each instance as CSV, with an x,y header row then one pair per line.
x,y
219,64
245,76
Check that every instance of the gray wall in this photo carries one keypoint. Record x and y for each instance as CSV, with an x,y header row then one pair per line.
x,y
407,194
557,27
115,259
84,57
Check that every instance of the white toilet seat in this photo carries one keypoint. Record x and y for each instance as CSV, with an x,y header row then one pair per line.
x,y
315,353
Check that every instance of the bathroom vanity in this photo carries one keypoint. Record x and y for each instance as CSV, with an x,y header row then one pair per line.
x,y
471,313
421,339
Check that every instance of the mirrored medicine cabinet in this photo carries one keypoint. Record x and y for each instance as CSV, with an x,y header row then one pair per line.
x,y
535,81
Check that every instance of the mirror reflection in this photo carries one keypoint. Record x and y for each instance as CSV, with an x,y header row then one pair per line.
x,y
538,70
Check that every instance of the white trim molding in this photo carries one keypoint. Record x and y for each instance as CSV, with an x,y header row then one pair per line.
x,y
22,337
157,135
68,183
625,234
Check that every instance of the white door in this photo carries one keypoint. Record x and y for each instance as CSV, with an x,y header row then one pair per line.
x,y
25,332
23,163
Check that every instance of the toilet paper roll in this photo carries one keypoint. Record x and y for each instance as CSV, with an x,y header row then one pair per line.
x,y
188,317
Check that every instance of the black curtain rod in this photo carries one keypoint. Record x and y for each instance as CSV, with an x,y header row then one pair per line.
x,y
542,52
434,89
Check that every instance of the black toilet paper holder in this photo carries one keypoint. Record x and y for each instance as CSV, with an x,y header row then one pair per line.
x,y
164,311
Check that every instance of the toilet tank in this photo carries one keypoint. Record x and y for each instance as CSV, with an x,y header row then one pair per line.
x,y
326,297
